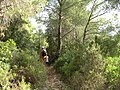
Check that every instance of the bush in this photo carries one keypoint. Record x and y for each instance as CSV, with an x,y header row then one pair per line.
x,y
28,66
24,86
90,81
112,72
69,62
6,49
6,75
83,68
16,64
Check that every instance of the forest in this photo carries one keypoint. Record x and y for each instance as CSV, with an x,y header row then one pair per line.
x,y
82,38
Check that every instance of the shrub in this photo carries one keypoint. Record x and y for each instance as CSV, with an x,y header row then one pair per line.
x,y
112,72
69,62
29,67
83,68
6,49
6,75
24,86
16,64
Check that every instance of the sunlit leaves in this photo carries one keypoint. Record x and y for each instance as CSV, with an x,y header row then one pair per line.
x,y
112,70
25,7
5,76
114,3
6,49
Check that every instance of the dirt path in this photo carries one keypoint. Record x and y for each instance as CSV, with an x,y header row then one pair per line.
x,y
53,80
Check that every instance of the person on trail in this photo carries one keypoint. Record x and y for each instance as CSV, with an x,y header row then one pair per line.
x,y
47,61
43,54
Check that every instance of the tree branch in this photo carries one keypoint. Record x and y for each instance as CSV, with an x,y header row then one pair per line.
x,y
92,33
71,5
68,32
98,15
59,2
85,30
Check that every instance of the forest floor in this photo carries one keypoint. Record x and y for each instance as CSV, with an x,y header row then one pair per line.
x,y
54,79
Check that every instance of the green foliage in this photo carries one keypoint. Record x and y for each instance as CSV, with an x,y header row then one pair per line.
x,y
29,67
83,68
18,32
21,31
109,46
31,7
90,74
16,64
67,61
112,72
81,81
114,4
6,75
24,86
6,49
74,19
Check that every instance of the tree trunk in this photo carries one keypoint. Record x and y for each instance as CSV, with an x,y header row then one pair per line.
x,y
89,19
59,26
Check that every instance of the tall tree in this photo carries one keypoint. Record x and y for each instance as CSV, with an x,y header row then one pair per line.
x,y
8,8
65,18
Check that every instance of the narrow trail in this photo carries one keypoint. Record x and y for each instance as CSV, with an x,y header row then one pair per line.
x,y
53,79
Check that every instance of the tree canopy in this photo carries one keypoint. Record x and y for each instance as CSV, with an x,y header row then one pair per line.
x,y
82,41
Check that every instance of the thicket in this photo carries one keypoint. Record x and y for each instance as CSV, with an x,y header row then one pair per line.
x,y
85,67
20,66
89,52
20,69
82,67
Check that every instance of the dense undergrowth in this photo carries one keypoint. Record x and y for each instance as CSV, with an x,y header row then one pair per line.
x,y
85,68
20,69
